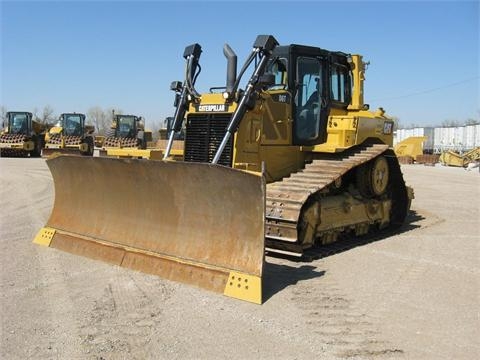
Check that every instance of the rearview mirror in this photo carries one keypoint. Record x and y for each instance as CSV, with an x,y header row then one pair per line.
x,y
267,79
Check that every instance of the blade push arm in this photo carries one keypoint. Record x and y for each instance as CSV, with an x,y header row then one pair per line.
x,y
187,90
263,46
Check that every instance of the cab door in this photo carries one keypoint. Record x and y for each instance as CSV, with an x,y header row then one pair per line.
x,y
311,104
276,107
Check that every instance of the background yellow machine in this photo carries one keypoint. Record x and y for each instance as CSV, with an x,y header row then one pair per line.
x,y
22,136
300,125
411,150
411,147
71,135
452,158
128,138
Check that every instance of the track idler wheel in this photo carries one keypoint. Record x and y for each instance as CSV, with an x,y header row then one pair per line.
x,y
372,177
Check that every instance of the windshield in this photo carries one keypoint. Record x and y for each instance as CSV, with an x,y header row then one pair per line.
x,y
126,126
73,125
18,123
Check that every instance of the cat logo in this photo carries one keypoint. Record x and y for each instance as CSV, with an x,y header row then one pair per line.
x,y
388,127
212,108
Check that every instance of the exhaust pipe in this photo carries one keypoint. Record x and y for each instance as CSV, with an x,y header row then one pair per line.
x,y
231,67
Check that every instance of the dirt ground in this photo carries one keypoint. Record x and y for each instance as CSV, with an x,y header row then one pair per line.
x,y
414,295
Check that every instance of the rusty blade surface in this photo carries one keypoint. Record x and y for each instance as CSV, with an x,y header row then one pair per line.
x,y
188,215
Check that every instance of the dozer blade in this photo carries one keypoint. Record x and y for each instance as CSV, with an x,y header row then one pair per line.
x,y
201,224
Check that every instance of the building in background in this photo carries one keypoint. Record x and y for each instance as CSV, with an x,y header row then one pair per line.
x,y
439,139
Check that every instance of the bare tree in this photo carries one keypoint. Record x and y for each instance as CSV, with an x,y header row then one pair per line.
x,y
449,122
472,122
47,115
35,116
97,117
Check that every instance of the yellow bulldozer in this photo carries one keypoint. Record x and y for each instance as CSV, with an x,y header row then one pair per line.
x,y
22,136
294,160
70,135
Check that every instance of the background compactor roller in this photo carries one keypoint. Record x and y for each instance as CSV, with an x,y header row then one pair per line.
x,y
71,135
22,136
127,138
299,125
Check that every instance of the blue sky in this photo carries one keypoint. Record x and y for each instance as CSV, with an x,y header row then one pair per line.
x,y
74,55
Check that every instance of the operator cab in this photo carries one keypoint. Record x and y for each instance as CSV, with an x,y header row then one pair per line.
x,y
72,124
126,126
317,80
19,122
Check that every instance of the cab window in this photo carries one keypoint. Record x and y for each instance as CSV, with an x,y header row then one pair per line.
x,y
19,124
126,126
339,84
308,98
278,67
73,125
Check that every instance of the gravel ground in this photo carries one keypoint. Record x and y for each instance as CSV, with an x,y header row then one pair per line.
x,y
414,295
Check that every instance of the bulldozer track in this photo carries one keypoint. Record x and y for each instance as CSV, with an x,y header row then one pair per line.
x,y
286,198
345,243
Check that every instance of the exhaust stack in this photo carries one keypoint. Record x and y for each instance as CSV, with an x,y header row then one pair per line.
x,y
231,67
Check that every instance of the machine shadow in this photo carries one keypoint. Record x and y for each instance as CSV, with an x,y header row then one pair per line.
x,y
277,277
412,218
